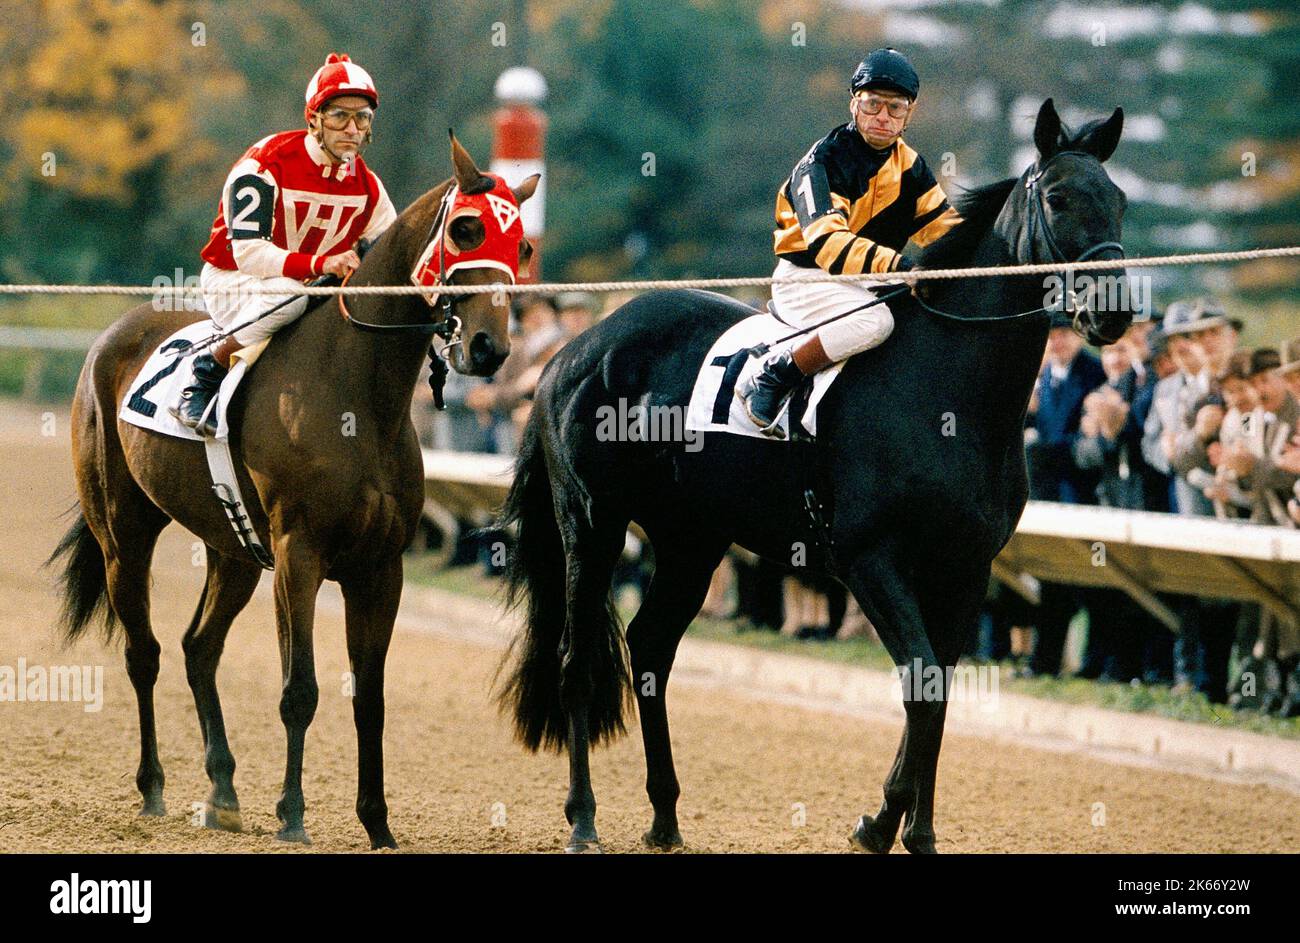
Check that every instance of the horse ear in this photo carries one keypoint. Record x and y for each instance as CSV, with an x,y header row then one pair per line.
x,y
525,255
526,189
1101,140
1047,130
467,173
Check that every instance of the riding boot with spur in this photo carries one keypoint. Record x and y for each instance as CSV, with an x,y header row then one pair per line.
x,y
209,371
765,393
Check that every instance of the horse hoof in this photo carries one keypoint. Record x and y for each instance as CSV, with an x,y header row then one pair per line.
x,y
297,835
584,848
153,808
920,844
383,840
865,838
663,842
222,820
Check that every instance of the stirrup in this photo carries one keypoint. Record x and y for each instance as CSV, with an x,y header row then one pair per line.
x,y
206,423
773,430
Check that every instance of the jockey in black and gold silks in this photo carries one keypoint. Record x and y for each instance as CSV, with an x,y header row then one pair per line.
x,y
849,207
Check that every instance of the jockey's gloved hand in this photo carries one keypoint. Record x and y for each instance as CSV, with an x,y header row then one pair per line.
x,y
907,265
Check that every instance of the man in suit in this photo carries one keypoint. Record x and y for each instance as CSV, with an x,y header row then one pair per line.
x,y
1069,374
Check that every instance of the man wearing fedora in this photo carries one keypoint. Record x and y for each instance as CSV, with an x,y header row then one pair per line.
x,y
1290,369
1271,479
1201,339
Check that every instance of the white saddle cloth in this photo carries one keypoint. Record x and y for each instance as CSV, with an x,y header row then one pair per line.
x,y
167,372
714,406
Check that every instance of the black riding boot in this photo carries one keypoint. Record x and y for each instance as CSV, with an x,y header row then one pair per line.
x,y
764,394
208,374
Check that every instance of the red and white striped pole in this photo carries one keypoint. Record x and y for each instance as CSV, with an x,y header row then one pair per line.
x,y
518,136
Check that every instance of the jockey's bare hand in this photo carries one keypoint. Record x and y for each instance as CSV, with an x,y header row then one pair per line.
x,y
340,265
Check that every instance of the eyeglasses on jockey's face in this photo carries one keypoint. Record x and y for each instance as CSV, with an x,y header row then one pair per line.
x,y
336,119
871,104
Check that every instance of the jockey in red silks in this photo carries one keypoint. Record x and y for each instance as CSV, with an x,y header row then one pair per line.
x,y
293,208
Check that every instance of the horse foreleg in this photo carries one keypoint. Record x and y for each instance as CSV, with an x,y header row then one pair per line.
x,y
677,590
891,605
371,608
950,609
230,585
298,575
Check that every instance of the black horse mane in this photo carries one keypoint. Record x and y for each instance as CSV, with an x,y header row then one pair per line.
x,y
978,208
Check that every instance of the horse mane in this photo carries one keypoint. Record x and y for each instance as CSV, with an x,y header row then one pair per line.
x,y
979,208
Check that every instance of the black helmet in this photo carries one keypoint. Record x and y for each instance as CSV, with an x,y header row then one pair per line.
x,y
886,68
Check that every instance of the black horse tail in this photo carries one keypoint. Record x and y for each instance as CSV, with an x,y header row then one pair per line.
x,y
83,582
535,575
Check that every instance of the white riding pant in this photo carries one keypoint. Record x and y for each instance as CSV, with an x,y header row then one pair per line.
x,y
804,305
226,296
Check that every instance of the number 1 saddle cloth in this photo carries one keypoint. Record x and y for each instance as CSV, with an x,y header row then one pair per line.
x,y
714,406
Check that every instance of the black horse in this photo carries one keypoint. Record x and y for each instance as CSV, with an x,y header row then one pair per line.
x,y
919,464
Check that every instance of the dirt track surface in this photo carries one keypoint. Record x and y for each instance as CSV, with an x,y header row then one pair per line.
x,y
750,770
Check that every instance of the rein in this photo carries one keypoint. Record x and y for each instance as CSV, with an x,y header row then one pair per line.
x,y
448,326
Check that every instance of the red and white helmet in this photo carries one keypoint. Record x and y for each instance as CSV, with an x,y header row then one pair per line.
x,y
339,76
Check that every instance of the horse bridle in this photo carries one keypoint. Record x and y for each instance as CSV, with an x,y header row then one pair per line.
x,y
448,326
1038,220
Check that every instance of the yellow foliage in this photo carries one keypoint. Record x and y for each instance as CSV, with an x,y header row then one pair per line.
x,y
107,87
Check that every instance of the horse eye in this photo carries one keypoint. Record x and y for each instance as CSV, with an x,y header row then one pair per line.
x,y
467,233
1057,201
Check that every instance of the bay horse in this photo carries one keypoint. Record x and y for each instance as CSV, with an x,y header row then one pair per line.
x,y
914,513
329,503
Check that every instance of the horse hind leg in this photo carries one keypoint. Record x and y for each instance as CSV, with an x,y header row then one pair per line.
x,y
126,566
683,570
125,524
593,675
230,585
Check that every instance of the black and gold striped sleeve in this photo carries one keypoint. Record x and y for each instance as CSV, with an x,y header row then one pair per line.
x,y
934,215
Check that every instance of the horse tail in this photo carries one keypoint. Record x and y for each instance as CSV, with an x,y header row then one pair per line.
x,y
83,582
535,579
535,576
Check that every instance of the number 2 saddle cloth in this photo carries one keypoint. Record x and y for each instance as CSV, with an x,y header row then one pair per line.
x,y
168,371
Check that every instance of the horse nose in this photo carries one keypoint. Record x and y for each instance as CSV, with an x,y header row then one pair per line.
x,y
486,355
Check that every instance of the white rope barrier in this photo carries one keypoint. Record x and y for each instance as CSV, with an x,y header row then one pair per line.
x,y
1203,258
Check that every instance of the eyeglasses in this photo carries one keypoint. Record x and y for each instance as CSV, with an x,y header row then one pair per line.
x,y
336,119
871,104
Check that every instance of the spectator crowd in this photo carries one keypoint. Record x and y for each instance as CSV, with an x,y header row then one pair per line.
x,y
1174,417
